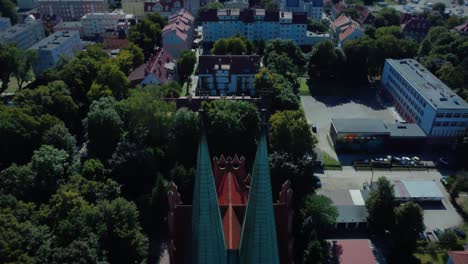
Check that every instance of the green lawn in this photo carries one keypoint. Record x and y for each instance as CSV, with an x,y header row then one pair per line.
x,y
436,258
329,163
184,89
304,88
12,86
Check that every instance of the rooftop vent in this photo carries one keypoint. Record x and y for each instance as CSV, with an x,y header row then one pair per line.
x,y
443,99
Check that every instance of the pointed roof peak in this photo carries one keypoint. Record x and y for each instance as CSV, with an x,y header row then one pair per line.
x,y
258,240
207,232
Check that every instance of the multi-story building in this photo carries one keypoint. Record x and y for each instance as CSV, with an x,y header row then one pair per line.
x,y
159,69
227,74
96,24
238,4
313,8
27,4
178,33
23,35
69,26
422,98
141,8
5,23
344,29
71,10
51,49
255,24
415,26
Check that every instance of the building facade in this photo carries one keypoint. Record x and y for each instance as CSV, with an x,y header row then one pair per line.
x,y
5,23
415,26
159,69
51,49
23,35
141,8
178,33
95,24
69,26
313,8
422,98
227,74
71,10
255,24
344,28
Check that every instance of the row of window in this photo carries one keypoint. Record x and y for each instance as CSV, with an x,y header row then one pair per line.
x,y
452,115
405,84
408,98
452,124
445,132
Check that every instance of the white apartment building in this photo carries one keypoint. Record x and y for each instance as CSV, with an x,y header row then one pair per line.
x,y
422,98
23,35
95,24
313,8
255,24
55,46
5,23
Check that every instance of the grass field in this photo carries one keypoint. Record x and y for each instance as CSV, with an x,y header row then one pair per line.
x,y
304,88
329,163
435,258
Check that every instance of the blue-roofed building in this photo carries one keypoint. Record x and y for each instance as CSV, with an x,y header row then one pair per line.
x,y
313,8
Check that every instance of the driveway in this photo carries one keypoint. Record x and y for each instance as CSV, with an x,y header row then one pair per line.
x,y
319,110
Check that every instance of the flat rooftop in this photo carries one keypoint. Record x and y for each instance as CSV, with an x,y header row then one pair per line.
x,y
12,31
360,125
72,24
405,130
417,189
430,87
55,40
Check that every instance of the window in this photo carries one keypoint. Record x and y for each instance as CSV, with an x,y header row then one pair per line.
x,y
454,124
445,124
448,115
457,115
465,115
440,115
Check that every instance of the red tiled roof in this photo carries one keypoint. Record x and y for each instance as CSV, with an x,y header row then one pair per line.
x,y
414,23
181,23
458,257
354,251
340,21
463,28
155,66
348,31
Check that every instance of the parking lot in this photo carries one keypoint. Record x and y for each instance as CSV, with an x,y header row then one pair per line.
x,y
319,110
435,216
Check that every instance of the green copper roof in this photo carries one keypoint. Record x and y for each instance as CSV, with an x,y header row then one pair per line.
x,y
258,240
207,231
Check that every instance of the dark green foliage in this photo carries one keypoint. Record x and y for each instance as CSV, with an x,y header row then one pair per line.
x,y
232,126
289,49
7,63
147,33
387,17
17,181
290,133
314,253
409,222
448,240
185,64
275,85
380,204
59,137
104,127
325,60
185,136
317,26
8,9
236,45
318,214
93,169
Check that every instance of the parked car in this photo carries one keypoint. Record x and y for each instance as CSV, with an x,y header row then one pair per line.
x,y
314,128
437,232
318,182
443,180
459,232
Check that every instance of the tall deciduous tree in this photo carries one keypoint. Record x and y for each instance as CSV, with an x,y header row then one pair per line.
x,y
23,69
290,133
110,79
147,33
325,60
409,222
185,65
8,9
104,126
380,205
319,214
7,64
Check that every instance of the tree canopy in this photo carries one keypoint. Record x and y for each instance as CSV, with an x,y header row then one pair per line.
x,y
380,204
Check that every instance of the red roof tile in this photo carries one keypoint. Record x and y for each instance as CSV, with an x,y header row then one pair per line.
x,y
156,66
458,257
354,251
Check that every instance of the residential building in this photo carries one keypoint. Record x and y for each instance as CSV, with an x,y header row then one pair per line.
x,y
70,26
5,23
96,24
313,8
71,10
227,74
159,69
115,39
344,28
457,257
422,98
337,8
23,35
232,218
417,191
255,24
415,26
141,8
365,16
461,29
26,4
51,49
352,251
178,33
